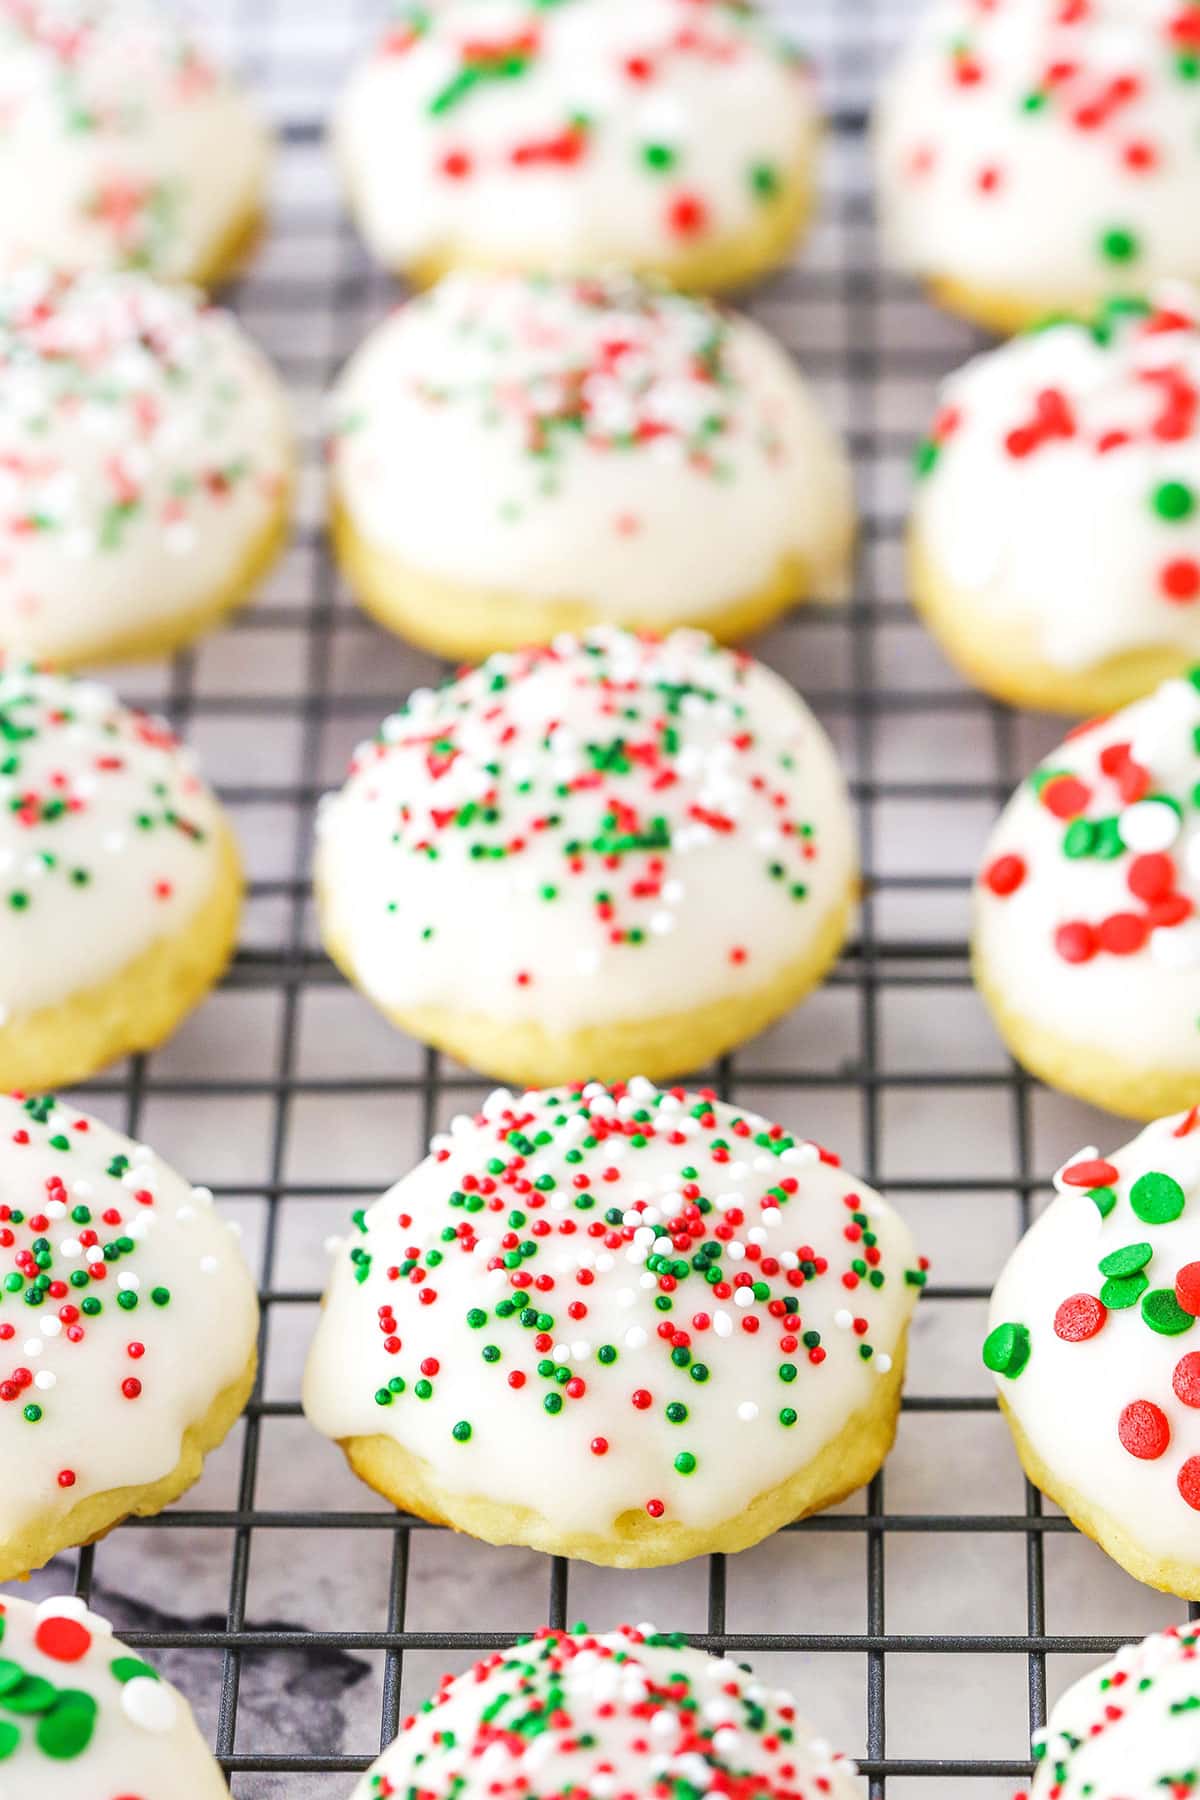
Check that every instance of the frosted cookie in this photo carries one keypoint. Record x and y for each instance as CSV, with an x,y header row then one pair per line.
x,y
1086,942
632,1711
145,465
1091,1347
655,135
120,883
1129,1729
512,457
1035,155
656,833
1055,543
83,1716
128,1325
626,1325
123,145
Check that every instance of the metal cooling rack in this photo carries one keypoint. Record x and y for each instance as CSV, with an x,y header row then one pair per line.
x,y
291,1101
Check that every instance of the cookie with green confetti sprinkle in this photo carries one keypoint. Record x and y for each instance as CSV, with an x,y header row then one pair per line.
x,y
655,135
128,1327
1090,1341
1034,157
615,855
146,154
120,881
82,1716
626,1324
1128,1730
512,456
1056,521
632,1711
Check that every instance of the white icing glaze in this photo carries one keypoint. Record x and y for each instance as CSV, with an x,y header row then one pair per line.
x,y
1125,904
1129,1730
1071,1395
144,450
640,758
121,143
109,840
547,437
596,1202
110,1415
632,131
88,1719
624,1692
1062,489
1015,139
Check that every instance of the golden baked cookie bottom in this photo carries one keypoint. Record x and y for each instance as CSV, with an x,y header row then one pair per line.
x,y
1002,656
636,1541
97,1515
467,623
523,1051
136,1008
226,259
164,635
727,263
1005,312
1171,1577
1080,1069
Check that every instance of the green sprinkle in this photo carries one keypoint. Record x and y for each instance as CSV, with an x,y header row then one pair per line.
x,y
1157,1199
1007,1349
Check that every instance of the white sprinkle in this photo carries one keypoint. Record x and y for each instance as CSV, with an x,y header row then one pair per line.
x,y
747,1411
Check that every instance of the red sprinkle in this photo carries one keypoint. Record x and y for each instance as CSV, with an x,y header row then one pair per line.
x,y
1186,1379
1143,1430
1187,1288
1004,876
1080,1318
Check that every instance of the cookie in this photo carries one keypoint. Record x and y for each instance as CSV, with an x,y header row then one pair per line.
x,y
83,1715
627,1325
1092,1351
656,833
128,1326
630,1711
1034,156
641,134
145,465
120,881
124,146
512,456
1055,545
1086,942
1130,1728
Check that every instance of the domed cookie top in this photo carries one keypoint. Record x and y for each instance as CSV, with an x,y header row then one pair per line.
x,y
144,456
612,1308
542,439
1096,1355
1086,937
1129,1730
126,1312
1059,491
82,1716
646,825
1035,154
123,146
629,1712
109,840
649,134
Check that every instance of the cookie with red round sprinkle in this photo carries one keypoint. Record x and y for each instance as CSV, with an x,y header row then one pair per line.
x,y
1090,1342
655,830
1128,1730
631,1711
82,1715
1086,935
1035,156
631,1325
1055,536
659,135
145,465
145,154
120,881
512,456
128,1327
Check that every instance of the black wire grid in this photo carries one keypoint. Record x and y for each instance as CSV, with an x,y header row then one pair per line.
x,y
894,1052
